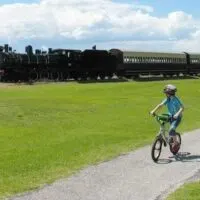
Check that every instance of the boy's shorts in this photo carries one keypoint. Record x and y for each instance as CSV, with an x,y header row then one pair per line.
x,y
173,125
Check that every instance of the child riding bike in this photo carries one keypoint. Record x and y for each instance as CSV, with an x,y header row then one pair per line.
x,y
175,109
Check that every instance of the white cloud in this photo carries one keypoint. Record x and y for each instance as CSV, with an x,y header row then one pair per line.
x,y
102,20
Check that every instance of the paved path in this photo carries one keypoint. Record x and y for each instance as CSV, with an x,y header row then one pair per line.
x,y
130,177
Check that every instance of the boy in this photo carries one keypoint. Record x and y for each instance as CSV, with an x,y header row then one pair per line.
x,y
175,108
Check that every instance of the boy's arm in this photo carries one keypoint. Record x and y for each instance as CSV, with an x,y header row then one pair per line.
x,y
158,107
179,112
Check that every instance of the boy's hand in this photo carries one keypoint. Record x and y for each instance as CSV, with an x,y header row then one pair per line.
x,y
152,113
175,116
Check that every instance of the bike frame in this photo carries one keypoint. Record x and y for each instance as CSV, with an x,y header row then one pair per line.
x,y
163,120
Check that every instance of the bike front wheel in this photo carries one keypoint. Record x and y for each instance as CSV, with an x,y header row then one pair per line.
x,y
156,148
175,148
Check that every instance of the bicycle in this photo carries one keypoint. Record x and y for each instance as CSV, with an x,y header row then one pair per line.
x,y
162,139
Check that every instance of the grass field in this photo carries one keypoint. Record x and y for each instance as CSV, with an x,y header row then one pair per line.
x,y
186,192
49,131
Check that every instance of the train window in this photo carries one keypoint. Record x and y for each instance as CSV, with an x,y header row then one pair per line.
x,y
157,60
125,59
135,60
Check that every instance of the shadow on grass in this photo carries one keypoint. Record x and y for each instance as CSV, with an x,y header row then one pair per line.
x,y
103,81
113,80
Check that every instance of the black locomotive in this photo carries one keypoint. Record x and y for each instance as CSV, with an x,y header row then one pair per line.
x,y
65,64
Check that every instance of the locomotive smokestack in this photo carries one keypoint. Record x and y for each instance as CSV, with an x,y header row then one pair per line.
x,y
50,50
6,47
29,50
94,47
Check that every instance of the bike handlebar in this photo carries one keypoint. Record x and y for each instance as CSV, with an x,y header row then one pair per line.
x,y
163,118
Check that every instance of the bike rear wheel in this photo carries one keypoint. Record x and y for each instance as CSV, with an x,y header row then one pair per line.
x,y
174,149
156,148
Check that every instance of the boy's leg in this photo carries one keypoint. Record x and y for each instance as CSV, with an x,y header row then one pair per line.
x,y
172,129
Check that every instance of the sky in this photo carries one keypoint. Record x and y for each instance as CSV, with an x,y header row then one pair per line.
x,y
137,25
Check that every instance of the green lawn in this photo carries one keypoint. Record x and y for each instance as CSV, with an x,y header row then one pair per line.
x,y
49,131
186,192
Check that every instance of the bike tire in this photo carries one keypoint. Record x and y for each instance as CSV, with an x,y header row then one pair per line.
x,y
158,141
176,150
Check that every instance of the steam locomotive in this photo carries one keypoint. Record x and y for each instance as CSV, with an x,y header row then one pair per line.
x,y
65,64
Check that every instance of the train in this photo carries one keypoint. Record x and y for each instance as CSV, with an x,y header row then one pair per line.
x,y
66,64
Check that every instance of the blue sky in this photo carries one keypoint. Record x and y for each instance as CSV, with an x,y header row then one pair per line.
x,y
154,25
163,7
18,1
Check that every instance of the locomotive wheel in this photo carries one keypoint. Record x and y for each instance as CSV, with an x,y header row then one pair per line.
x,y
33,76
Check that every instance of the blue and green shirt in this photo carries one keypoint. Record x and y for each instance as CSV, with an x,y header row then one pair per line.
x,y
173,104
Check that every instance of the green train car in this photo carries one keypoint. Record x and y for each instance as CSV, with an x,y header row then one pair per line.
x,y
132,63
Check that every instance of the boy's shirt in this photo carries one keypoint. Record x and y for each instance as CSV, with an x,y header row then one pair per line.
x,y
173,104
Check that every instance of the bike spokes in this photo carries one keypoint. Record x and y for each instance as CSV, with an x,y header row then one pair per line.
x,y
175,145
156,149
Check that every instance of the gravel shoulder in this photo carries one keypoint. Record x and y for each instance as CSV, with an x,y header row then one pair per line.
x,y
133,176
